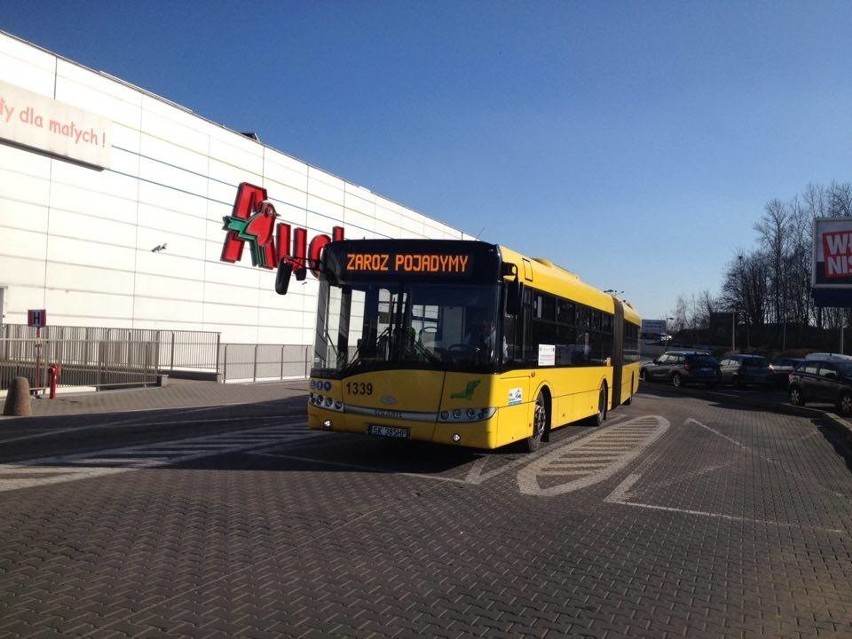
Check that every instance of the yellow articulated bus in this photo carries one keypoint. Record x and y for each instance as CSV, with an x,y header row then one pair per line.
x,y
463,342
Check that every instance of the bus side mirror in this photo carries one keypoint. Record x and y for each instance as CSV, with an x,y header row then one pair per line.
x,y
282,277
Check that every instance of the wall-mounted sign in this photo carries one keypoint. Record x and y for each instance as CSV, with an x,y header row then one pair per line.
x,y
37,317
253,220
32,120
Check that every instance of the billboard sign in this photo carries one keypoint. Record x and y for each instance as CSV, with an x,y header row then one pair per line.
x,y
832,262
40,122
653,328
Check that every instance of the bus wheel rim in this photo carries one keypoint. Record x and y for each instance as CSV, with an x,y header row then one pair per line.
x,y
540,418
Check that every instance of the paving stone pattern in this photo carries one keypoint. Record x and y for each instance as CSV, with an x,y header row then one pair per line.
x,y
737,526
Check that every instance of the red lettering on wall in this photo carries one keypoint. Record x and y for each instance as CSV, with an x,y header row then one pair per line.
x,y
246,203
253,220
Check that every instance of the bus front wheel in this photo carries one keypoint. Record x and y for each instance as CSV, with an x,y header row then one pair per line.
x,y
539,426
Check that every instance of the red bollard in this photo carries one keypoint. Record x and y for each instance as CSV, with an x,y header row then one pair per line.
x,y
53,372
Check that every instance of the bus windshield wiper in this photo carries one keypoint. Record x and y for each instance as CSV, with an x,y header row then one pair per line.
x,y
359,359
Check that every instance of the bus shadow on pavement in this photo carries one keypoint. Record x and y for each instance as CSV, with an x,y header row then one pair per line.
x,y
341,452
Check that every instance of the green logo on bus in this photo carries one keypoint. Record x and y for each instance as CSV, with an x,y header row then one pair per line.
x,y
467,393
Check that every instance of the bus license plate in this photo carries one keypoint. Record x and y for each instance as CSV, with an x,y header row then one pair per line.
x,y
387,431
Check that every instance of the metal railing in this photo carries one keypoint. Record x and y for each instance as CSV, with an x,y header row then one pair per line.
x,y
177,350
99,364
106,357
263,362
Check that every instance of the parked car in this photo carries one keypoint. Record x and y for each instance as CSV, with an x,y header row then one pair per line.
x,y
781,369
746,370
848,358
822,381
683,367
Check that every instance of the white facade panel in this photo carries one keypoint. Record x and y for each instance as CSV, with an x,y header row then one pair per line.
x,y
69,307
236,296
73,277
82,198
323,210
25,188
324,186
296,215
237,150
15,161
125,138
24,243
359,225
26,271
230,175
180,157
287,195
138,244
159,172
171,213
175,126
80,226
285,171
91,252
26,66
76,85
167,312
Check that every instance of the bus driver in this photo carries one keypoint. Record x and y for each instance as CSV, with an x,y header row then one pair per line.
x,y
483,336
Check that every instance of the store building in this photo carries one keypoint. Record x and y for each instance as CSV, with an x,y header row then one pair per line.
x,y
113,207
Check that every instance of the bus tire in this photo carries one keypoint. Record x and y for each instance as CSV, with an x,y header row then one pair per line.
x,y
598,418
541,419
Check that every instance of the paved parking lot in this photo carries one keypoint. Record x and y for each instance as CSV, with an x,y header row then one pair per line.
x,y
684,516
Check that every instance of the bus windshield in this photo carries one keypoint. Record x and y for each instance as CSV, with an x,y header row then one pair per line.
x,y
413,324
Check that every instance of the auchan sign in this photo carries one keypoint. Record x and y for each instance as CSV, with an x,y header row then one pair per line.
x,y
253,220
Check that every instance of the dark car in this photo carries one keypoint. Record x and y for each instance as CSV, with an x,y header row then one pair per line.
x,y
781,369
746,370
682,367
822,381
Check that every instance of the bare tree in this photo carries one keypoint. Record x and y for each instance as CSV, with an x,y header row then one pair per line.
x,y
773,283
840,200
680,315
706,305
773,228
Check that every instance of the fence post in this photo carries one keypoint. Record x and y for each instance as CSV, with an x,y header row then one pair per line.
x,y
254,371
157,355
307,351
98,379
224,363
218,346
281,372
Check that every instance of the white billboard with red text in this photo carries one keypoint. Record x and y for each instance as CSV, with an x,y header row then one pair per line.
x,y
832,263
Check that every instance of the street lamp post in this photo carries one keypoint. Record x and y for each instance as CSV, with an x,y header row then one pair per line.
x,y
734,331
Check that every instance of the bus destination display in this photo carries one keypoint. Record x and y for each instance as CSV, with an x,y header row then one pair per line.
x,y
390,263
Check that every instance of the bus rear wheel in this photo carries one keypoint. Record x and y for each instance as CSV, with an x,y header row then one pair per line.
x,y
539,426
598,418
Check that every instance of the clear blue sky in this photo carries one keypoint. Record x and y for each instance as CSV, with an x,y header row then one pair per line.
x,y
635,143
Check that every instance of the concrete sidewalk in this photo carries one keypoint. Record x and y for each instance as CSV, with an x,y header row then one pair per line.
x,y
177,393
